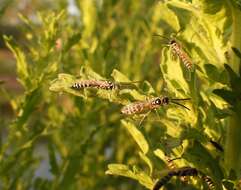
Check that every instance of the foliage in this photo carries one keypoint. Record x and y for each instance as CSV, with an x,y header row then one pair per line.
x,y
81,136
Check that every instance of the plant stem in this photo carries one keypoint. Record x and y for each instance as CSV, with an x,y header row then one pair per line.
x,y
233,150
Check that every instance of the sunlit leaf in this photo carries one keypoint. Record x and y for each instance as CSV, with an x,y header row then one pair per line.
x,y
123,170
137,136
147,161
22,67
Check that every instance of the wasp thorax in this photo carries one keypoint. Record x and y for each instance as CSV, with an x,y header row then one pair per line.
x,y
165,100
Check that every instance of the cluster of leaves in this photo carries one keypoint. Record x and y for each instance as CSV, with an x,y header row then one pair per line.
x,y
82,133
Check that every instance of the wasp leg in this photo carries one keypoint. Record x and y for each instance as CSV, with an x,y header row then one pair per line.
x,y
143,118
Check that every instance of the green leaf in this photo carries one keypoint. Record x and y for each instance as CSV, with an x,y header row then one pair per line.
x,y
213,72
88,73
235,80
89,17
147,161
137,136
237,3
31,102
53,160
165,16
193,133
74,39
62,83
22,68
74,162
197,154
227,95
123,170
220,113
120,77
160,154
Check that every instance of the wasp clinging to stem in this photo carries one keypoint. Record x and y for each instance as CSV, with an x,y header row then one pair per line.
x,y
145,107
181,172
185,171
140,107
101,84
178,50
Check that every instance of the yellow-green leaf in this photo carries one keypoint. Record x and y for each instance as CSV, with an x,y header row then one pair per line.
x,y
137,136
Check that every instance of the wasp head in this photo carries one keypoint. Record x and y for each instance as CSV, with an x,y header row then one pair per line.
x,y
165,100
173,42
111,85
158,101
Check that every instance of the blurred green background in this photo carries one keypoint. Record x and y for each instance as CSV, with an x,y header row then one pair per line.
x,y
53,137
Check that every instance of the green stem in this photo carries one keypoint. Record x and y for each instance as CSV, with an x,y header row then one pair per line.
x,y
233,150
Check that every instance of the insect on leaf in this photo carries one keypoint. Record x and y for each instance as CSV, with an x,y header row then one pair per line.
x,y
137,136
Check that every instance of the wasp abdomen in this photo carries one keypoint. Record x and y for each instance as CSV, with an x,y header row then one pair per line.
x,y
177,49
134,108
81,85
209,182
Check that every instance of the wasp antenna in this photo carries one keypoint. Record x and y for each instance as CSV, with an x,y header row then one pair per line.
x,y
161,36
180,105
136,81
180,99
175,158
130,82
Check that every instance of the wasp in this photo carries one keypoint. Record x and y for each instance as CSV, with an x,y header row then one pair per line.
x,y
185,171
181,172
145,107
101,84
171,165
178,50
209,182
140,107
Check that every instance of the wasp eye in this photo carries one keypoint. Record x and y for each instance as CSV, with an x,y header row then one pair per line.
x,y
158,101
172,41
